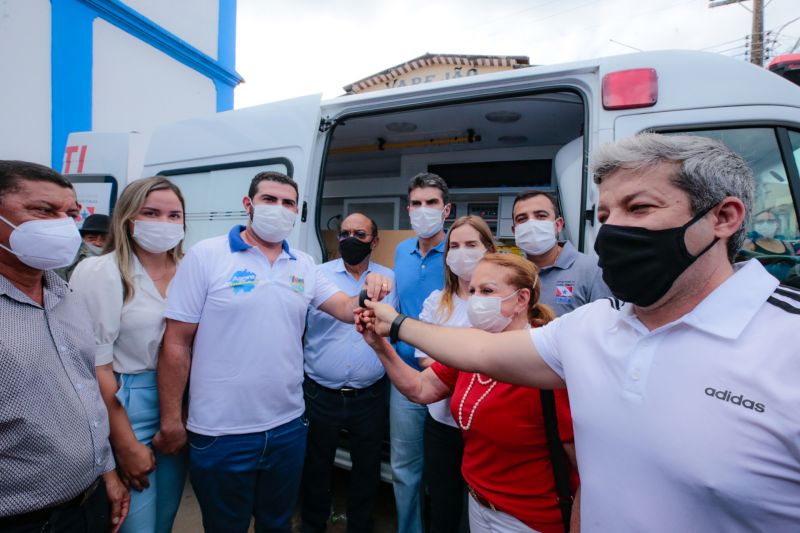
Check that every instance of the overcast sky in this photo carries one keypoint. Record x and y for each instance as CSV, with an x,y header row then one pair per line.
x,y
287,48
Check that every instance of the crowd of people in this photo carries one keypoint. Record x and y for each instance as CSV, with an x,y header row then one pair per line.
x,y
240,362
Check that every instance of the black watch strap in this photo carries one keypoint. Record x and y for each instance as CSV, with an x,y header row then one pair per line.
x,y
362,297
394,330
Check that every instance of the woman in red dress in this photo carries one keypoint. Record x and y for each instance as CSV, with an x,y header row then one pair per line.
x,y
506,459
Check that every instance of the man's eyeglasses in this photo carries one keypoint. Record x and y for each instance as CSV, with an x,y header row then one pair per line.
x,y
359,234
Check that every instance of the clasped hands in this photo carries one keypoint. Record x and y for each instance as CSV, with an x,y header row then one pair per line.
x,y
374,320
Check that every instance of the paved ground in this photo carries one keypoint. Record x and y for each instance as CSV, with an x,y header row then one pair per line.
x,y
189,520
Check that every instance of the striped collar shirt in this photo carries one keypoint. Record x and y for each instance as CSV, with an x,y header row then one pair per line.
x,y
53,422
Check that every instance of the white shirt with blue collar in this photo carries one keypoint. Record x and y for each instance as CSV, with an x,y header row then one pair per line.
x,y
693,426
336,355
247,358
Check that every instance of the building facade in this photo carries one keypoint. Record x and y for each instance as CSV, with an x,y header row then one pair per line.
x,y
109,65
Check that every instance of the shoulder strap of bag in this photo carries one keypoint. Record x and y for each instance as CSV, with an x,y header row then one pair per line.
x,y
558,457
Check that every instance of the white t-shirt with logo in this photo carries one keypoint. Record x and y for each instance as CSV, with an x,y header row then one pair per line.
x,y
440,411
247,358
694,426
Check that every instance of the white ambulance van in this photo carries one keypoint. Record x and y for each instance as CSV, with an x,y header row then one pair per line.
x,y
489,136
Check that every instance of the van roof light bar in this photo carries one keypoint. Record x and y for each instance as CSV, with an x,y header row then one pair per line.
x,y
630,89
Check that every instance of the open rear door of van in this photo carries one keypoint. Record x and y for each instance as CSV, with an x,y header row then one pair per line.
x,y
213,159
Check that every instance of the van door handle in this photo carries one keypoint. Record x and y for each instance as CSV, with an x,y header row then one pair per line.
x,y
588,216
304,212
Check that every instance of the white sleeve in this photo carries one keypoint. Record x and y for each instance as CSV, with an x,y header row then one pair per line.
x,y
324,288
545,340
189,288
97,280
427,315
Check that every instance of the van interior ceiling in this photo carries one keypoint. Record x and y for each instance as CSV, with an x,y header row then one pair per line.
x,y
487,151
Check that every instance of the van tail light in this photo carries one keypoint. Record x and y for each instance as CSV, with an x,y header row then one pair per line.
x,y
629,89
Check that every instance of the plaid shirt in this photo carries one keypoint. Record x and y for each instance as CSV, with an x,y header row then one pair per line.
x,y
53,422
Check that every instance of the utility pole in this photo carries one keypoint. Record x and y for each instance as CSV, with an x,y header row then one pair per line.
x,y
757,42
757,36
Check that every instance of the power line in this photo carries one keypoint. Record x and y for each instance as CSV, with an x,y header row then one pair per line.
x,y
722,44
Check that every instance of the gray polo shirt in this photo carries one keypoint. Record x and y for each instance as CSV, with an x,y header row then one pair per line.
x,y
573,280
53,422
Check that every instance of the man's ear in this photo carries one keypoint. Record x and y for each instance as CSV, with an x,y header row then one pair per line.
x,y
375,241
730,216
247,203
559,225
447,209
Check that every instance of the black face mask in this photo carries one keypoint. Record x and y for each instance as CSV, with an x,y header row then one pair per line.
x,y
353,251
639,264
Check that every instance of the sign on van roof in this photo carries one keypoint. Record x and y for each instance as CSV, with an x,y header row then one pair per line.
x,y
435,67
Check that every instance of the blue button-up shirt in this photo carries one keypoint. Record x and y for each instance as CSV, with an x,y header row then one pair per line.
x,y
336,355
415,278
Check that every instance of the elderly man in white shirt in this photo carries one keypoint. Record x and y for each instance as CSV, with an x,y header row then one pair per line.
x,y
683,388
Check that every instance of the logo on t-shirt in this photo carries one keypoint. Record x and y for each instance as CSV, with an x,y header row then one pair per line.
x,y
242,281
564,293
735,399
298,284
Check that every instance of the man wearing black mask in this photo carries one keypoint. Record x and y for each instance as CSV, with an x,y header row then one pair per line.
x,y
344,388
683,388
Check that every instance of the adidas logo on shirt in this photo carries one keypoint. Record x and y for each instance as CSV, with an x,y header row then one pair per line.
x,y
736,399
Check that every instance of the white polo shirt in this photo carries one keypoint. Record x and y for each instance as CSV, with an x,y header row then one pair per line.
x,y
694,426
247,359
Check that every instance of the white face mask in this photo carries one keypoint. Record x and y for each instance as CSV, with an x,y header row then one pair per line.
x,y
485,312
766,229
44,244
462,261
157,237
93,250
426,221
536,237
272,223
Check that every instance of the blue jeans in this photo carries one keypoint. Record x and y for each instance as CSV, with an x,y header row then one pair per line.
x,y
406,428
152,510
236,477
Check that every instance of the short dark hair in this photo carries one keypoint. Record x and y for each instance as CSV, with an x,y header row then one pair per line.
x,y
533,194
373,225
271,175
429,179
12,172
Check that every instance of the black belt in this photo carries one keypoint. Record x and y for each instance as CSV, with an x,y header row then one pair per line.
x,y
347,392
44,515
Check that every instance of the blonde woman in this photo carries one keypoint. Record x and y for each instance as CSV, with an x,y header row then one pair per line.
x,y
468,240
126,290
506,461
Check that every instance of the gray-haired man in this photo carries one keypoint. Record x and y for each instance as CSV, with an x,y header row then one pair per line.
x,y
684,399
